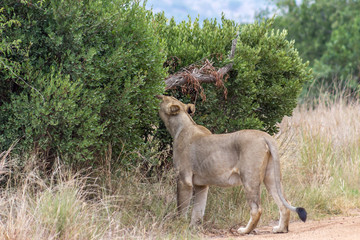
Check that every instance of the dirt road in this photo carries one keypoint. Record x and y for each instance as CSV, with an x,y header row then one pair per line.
x,y
337,228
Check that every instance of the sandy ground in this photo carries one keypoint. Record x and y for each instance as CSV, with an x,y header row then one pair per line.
x,y
336,228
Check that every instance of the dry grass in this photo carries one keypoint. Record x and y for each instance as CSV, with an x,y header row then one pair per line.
x,y
320,155
325,159
70,206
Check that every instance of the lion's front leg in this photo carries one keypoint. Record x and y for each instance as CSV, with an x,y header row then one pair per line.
x,y
184,194
200,197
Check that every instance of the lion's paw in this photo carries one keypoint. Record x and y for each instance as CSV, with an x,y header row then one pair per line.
x,y
280,229
243,230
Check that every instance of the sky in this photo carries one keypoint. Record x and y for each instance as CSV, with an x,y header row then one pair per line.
x,y
242,11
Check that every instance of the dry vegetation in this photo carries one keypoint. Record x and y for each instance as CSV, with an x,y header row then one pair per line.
x,y
320,155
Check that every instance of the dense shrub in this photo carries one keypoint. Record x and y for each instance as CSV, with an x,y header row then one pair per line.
x,y
88,77
266,78
63,120
79,77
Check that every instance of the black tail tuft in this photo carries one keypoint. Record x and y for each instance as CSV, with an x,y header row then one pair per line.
x,y
302,213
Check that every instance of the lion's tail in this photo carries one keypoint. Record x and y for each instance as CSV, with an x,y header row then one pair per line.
x,y
299,210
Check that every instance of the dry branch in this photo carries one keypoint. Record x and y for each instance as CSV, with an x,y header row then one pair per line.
x,y
201,74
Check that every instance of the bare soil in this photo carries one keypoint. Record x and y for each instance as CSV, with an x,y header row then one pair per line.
x,y
335,228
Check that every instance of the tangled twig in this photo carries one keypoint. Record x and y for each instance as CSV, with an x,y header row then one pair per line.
x,y
194,75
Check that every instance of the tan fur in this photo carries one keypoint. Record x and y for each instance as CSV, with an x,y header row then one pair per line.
x,y
246,157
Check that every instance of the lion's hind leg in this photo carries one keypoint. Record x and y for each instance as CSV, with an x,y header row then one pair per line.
x,y
253,198
270,184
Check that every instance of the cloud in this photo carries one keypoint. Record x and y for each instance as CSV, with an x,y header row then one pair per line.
x,y
238,10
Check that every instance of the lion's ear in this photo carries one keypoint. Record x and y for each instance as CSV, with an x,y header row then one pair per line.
x,y
190,108
173,109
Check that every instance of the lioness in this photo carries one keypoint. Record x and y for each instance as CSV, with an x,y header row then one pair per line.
x,y
201,158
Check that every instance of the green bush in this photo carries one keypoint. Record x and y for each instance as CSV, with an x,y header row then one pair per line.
x,y
63,120
87,79
8,68
81,76
265,81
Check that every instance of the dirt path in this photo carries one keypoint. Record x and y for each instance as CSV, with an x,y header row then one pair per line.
x,y
337,228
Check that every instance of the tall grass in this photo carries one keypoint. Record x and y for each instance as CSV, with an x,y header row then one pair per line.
x,y
325,164
64,205
320,157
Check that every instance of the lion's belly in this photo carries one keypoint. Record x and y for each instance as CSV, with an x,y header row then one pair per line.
x,y
216,167
225,179
215,162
